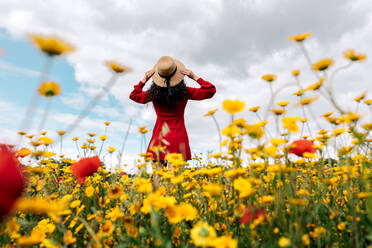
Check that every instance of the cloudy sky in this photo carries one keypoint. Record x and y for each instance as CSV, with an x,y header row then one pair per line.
x,y
230,43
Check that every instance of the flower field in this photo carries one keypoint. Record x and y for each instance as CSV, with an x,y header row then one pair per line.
x,y
268,186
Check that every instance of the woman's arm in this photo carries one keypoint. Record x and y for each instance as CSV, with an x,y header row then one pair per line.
x,y
206,90
137,94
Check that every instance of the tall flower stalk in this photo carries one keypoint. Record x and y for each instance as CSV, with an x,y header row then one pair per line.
x,y
117,69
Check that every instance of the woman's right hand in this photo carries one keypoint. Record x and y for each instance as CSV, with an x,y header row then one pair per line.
x,y
189,73
148,75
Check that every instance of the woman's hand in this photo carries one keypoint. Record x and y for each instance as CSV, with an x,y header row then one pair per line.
x,y
189,73
148,75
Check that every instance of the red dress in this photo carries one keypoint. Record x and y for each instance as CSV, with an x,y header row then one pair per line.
x,y
176,140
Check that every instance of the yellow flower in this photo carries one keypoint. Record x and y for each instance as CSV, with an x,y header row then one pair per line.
x,y
350,117
277,142
211,112
22,133
143,129
299,37
189,212
269,77
233,106
45,140
350,54
244,187
338,131
307,101
111,149
107,228
225,242
91,134
75,138
322,64
290,123
254,109
299,93
61,132
68,239
23,152
315,86
203,234
305,239
283,103
230,131
341,226
115,192
368,101
360,97
103,137
284,242
255,131
213,189
174,214
215,155
327,114
367,126
278,111
107,123
49,89
296,73
89,191
51,45
118,68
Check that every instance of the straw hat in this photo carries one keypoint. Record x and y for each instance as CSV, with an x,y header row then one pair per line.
x,y
168,67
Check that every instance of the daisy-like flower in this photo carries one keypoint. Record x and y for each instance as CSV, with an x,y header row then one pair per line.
x,y
233,106
211,112
254,109
117,68
49,89
51,45
296,72
202,234
299,37
322,64
269,77
350,54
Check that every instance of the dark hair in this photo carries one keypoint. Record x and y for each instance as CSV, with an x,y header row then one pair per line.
x,y
159,95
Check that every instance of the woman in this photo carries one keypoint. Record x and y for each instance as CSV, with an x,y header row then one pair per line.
x,y
169,95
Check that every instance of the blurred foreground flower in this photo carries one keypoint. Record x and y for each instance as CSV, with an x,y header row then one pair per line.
x,y
203,234
51,45
11,180
118,68
233,106
252,214
85,167
299,147
49,89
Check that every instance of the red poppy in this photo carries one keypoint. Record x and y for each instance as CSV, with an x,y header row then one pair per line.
x,y
12,180
123,173
85,167
58,180
299,147
252,213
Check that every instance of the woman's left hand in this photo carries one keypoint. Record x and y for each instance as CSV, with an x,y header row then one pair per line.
x,y
189,73
148,75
